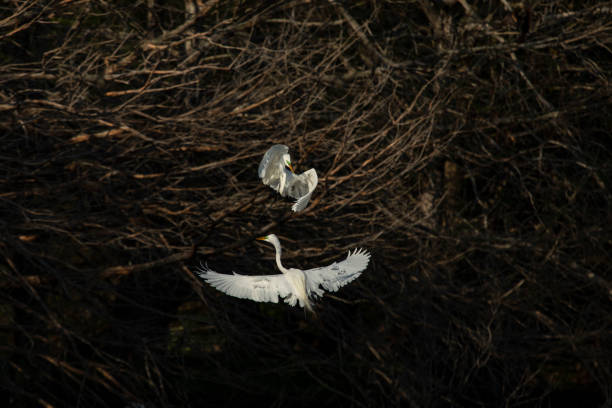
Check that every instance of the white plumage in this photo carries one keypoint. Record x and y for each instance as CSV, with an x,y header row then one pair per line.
x,y
300,187
293,285
273,167
273,172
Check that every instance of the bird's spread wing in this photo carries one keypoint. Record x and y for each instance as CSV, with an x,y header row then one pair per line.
x,y
271,166
263,288
301,187
338,274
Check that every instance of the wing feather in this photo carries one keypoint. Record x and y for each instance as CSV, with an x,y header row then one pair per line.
x,y
271,166
338,274
261,288
301,187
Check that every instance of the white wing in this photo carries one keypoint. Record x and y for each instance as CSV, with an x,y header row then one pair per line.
x,y
271,166
263,288
338,274
301,187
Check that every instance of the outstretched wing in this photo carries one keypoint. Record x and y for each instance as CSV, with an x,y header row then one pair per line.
x,y
263,288
271,166
338,274
301,187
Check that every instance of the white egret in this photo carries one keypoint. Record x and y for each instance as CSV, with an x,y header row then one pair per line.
x,y
273,172
294,285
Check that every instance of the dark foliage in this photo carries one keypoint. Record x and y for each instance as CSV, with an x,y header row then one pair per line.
x,y
467,144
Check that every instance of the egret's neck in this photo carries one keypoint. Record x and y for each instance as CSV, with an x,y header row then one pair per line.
x,y
278,257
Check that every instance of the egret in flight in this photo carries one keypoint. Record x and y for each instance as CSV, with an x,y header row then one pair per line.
x,y
293,285
273,172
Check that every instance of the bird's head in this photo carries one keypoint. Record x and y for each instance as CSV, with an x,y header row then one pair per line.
x,y
287,162
272,238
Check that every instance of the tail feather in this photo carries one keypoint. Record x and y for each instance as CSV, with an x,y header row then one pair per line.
x,y
309,310
308,306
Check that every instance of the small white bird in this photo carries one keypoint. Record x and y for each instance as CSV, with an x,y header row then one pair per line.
x,y
294,285
273,172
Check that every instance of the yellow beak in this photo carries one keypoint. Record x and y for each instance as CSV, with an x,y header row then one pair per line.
x,y
290,167
261,238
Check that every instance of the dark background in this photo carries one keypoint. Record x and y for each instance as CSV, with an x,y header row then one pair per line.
x,y
466,144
